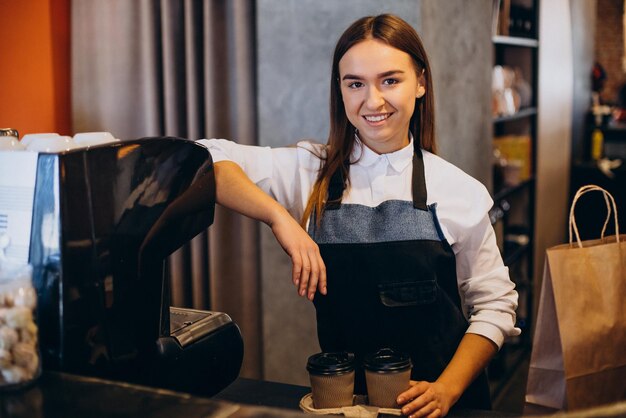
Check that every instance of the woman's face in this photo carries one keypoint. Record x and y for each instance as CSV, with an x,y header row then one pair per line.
x,y
379,85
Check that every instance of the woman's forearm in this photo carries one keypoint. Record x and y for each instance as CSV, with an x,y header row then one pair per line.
x,y
236,191
470,359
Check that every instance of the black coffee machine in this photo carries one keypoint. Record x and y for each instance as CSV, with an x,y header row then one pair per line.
x,y
104,219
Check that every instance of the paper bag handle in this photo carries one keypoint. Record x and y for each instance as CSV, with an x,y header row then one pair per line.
x,y
610,205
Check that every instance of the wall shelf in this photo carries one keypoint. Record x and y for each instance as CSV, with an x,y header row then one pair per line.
x,y
507,191
522,113
515,41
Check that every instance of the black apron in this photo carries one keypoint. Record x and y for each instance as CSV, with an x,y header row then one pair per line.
x,y
391,283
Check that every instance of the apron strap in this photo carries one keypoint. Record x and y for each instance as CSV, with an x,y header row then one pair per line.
x,y
335,189
419,181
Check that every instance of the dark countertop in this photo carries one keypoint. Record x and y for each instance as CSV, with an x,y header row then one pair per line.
x,y
60,395
65,395
263,393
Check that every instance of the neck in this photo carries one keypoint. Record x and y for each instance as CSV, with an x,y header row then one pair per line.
x,y
386,147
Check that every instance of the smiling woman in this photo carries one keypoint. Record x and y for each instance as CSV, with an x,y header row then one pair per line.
x,y
395,247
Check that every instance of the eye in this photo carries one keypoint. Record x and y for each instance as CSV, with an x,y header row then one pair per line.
x,y
390,81
355,85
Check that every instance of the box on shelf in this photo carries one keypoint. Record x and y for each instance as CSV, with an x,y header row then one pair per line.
x,y
516,150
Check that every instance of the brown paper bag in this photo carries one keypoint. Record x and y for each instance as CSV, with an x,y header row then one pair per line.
x,y
578,356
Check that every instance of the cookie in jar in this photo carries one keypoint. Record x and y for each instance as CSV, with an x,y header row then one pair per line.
x,y
20,362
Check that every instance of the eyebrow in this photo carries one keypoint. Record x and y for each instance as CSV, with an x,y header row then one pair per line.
x,y
381,75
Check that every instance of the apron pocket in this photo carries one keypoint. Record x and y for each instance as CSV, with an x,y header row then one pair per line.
x,y
407,293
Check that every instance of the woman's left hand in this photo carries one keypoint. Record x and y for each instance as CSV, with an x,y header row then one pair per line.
x,y
426,399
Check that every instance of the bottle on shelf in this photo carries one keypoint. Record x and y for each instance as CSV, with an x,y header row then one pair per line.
x,y
597,144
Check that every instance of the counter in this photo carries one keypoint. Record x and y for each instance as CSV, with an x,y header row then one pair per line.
x,y
66,395
60,395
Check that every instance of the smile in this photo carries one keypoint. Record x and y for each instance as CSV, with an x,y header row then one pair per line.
x,y
376,118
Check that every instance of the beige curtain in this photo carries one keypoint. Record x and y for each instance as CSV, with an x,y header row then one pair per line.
x,y
181,68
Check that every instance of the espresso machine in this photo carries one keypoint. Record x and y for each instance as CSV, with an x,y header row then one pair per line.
x,y
97,225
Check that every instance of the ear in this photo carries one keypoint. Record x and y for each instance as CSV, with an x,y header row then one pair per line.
x,y
421,82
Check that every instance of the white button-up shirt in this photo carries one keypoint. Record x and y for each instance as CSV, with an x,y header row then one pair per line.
x,y
487,293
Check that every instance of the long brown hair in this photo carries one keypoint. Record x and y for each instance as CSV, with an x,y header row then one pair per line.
x,y
399,34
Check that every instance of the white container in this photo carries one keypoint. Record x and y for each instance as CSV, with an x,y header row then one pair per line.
x,y
9,140
89,139
51,144
28,138
20,360
10,143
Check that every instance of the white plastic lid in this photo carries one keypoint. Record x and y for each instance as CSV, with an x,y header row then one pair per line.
x,y
10,143
87,139
26,139
51,144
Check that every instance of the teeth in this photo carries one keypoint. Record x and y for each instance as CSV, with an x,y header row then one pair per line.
x,y
376,118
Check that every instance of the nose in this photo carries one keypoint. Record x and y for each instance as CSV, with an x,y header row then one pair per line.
x,y
374,99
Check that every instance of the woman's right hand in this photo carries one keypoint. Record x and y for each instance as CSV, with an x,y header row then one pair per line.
x,y
308,271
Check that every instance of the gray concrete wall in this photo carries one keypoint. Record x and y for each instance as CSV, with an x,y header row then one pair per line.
x,y
296,39
457,37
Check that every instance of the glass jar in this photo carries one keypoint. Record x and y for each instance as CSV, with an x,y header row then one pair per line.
x,y
9,140
20,361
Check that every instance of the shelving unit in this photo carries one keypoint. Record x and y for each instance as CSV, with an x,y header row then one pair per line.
x,y
515,52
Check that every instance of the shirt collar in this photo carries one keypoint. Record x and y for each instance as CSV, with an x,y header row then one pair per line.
x,y
398,160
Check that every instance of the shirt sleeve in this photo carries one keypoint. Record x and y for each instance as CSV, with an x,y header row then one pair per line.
x,y
488,294
284,173
255,161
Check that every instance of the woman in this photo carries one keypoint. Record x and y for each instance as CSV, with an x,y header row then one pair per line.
x,y
399,246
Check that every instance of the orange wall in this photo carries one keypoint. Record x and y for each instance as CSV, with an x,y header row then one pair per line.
x,y
35,69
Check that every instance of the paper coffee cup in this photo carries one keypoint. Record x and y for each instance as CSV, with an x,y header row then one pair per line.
x,y
332,379
387,374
